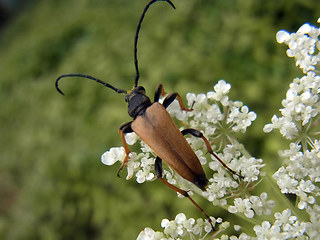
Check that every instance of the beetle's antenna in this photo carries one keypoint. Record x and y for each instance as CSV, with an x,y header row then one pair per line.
x,y
137,34
89,77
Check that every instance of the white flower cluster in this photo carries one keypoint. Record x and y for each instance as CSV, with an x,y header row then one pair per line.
x,y
300,107
303,45
221,186
254,205
214,112
300,173
285,226
141,164
301,103
179,228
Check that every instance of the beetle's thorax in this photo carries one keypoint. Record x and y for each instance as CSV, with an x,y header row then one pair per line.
x,y
137,101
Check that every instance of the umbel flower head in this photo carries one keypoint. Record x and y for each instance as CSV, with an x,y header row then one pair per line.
x,y
301,105
299,122
301,170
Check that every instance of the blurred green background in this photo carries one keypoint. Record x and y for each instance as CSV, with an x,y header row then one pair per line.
x,y
53,185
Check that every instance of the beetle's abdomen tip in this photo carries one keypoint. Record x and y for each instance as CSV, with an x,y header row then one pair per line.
x,y
201,181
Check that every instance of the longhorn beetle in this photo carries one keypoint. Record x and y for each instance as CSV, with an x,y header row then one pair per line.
x,y
152,123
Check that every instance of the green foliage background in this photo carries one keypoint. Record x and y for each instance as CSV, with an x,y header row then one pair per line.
x,y
53,185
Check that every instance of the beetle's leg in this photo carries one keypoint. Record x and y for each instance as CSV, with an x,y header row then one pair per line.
x,y
158,92
158,170
199,134
169,99
124,128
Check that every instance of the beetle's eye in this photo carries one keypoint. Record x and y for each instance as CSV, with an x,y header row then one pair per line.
x,y
141,89
126,98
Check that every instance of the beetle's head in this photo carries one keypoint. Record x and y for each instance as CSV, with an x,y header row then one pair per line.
x,y
137,101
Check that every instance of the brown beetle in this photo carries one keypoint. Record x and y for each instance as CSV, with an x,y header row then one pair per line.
x,y
152,123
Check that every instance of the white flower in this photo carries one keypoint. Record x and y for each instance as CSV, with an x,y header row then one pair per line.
x,y
143,176
242,206
131,138
146,234
150,234
249,168
282,36
221,90
237,227
217,188
133,164
239,117
147,165
175,110
306,186
253,205
261,205
285,182
113,155
267,231
284,218
302,45
214,114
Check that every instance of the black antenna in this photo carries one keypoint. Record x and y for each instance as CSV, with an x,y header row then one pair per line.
x,y
137,34
89,77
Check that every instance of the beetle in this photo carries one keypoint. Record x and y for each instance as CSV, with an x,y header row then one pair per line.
x,y
153,124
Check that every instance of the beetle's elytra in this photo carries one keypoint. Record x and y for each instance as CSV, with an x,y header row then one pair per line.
x,y
152,123
158,129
